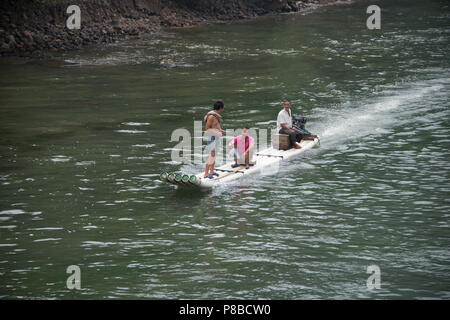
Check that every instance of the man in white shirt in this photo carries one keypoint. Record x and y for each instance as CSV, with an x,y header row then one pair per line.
x,y
284,125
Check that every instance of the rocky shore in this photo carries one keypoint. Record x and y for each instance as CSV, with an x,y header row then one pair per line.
x,y
34,27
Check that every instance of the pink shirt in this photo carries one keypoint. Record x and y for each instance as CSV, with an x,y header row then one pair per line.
x,y
241,146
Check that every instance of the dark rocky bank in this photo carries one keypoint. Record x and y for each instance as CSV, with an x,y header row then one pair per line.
x,y
34,27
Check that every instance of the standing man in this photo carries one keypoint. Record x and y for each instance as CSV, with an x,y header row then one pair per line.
x,y
213,120
284,125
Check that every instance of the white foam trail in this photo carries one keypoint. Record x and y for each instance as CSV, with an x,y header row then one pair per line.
x,y
375,115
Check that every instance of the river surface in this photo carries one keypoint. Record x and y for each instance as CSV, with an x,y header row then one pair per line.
x,y
85,134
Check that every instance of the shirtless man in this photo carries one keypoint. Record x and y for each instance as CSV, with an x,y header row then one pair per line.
x,y
213,119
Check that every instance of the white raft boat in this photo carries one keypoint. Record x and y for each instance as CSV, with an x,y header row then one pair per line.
x,y
265,159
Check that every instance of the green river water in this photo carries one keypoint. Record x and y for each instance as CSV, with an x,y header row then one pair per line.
x,y
85,134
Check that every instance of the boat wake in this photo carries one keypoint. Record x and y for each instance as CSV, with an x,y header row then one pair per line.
x,y
379,115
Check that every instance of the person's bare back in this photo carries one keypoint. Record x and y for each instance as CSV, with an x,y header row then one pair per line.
x,y
212,124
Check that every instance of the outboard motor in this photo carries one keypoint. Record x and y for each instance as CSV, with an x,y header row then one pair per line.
x,y
298,122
